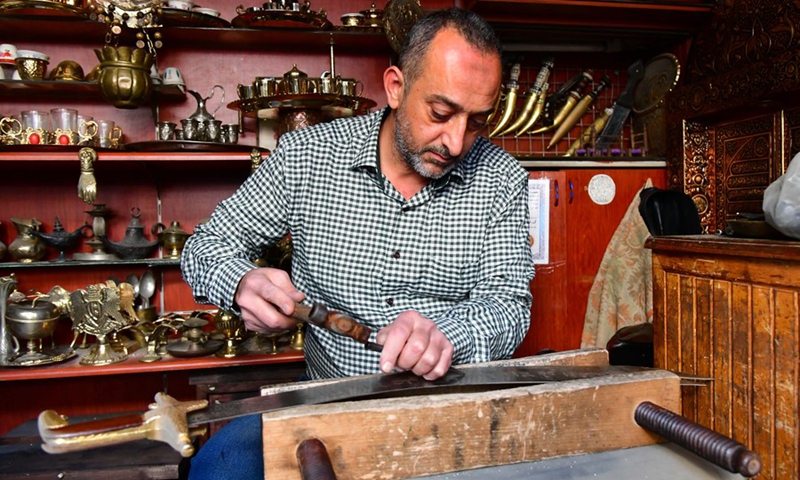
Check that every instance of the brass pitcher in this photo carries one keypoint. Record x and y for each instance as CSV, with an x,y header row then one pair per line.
x,y
125,75
27,247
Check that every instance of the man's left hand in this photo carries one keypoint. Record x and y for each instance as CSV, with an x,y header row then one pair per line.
x,y
413,342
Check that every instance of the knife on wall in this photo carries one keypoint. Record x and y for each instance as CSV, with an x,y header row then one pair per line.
x,y
621,109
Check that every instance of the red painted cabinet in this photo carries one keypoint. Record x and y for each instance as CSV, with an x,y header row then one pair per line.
x,y
579,231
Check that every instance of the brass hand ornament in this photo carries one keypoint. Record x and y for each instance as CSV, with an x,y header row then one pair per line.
x,y
87,185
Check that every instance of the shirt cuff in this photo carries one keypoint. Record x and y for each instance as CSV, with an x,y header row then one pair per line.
x,y
463,342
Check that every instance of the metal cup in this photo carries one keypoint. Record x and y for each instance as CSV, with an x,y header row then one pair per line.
x,y
10,131
246,92
299,86
230,133
213,130
328,84
267,86
350,87
189,127
87,131
166,131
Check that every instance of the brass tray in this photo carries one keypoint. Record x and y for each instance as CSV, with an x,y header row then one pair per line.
x,y
660,76
59,354
306,101
188,145
260,18
176,17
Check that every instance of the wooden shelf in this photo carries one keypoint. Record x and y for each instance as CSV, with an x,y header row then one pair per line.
x,y
47,29
147,262
81,90
72,368
534,163
53,153
593,25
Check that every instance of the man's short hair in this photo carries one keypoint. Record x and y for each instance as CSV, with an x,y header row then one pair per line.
x,y
469,25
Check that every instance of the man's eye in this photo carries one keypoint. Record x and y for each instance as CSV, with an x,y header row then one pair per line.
x,y
477,125
438,116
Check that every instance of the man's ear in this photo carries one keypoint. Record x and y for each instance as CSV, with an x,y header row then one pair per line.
x,y
394,84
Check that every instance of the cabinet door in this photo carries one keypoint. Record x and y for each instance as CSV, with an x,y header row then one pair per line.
x,y
593,217
549,286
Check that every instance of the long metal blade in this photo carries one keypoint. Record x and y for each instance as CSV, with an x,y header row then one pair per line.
x,y
456,380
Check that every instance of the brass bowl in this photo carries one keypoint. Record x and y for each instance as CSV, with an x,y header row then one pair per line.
x,y
32,320
31,68
67,71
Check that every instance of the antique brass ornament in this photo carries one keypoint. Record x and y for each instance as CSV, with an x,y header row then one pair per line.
x,y
62,240
398,18
26,247
172,238
87,185
102,310
589,134
125,75
32,320
232,326
531,97
134,245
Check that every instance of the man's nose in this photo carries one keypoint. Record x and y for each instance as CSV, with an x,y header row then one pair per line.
x,y
453,136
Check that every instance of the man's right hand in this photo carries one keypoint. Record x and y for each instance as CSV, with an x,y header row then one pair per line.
x,y
266,298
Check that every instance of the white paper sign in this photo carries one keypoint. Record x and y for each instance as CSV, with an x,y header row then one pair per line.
x,y
539,208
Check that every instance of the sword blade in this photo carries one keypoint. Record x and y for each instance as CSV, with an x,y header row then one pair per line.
x,y
404,382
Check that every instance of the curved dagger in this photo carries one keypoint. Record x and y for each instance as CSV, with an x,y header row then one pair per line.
x,y
589,133
511,100
572,100
537,112
577,112
532,95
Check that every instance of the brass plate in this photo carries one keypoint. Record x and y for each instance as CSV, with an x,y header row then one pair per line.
x,y
175,17
661,74
253,18
398,18
307,101
187,145
59,354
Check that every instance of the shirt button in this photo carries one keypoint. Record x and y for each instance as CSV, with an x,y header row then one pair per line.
x,y
390,301
396,255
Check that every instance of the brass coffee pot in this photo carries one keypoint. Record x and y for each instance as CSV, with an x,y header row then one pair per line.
x,y
173,238
135,244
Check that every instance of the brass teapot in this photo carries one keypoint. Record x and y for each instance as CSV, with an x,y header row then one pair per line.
x,y
135,245
173,238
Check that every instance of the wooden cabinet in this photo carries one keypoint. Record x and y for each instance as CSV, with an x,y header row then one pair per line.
x,y
729,309
580,229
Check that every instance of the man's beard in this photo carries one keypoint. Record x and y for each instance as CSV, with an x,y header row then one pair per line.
x,y
402,137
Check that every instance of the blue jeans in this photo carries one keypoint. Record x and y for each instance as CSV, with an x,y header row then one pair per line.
x,y
235,452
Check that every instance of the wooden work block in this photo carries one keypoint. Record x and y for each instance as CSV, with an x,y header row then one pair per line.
x,y
413,436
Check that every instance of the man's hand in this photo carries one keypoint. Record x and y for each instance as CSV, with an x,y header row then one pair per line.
x,y
266,297
412,342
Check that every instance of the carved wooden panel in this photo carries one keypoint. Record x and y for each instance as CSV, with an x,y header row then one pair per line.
x,y
730,309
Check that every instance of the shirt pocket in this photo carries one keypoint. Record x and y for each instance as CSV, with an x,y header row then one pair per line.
x,y
447,278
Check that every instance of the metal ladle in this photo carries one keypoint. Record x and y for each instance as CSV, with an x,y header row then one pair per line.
x,y
133,280
147,287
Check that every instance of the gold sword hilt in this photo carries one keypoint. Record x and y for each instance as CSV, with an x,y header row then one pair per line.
x,y
166,421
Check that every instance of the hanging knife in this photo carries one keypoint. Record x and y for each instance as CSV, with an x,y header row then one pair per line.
x,y
532,96
579,83
622,108
511,99
577,112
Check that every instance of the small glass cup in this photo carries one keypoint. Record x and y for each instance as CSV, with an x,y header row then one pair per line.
x,y
65,126
36,127
108,135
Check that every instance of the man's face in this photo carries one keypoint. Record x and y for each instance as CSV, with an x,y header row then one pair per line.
x,y
443,112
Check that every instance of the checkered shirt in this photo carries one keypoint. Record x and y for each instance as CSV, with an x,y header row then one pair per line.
x,y
457,252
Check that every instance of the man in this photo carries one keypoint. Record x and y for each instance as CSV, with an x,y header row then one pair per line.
x,y
405,219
